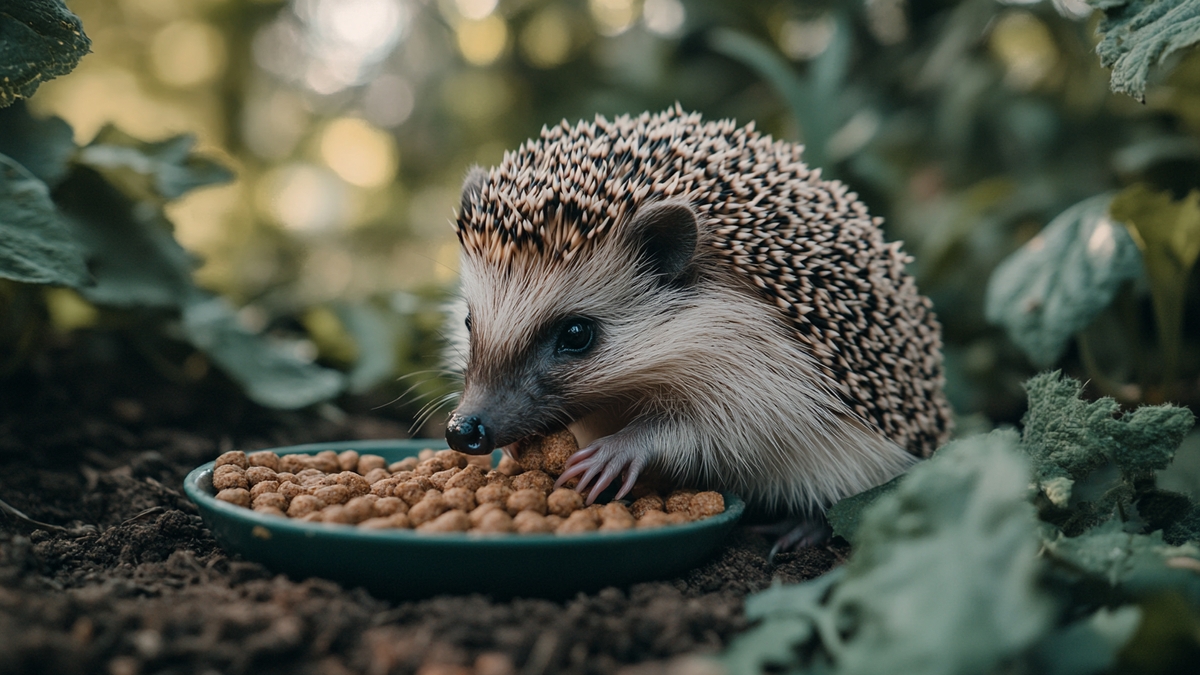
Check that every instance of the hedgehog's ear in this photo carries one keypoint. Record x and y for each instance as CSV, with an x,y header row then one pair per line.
x,y
473,185
666,233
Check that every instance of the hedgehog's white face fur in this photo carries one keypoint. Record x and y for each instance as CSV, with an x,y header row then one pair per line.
x,y
622,317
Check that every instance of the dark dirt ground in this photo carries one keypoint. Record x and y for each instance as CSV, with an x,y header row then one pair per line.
x,y
137,585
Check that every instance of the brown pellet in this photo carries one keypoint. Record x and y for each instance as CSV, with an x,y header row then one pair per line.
x,y
375,475
361,508
482,510
258,474
440,478
229,476
337,513
706,504
564,501
386,506
357,485
368,463
333,494
326,460
410,492
397,521
534,480
653,519
265,486
426,510
303,505
292,490
508,466
471,478
233,457
648,503
532,522
452,458
461,499
679,500
293,463
406,464
450,521
264,458
270,499
495,520
494,492
348,460
580,521
236,495
526,500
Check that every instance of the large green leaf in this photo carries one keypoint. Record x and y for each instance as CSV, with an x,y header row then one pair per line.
x,y
36,246
149,171
1138,34
129,246
1053,286
39,40
269,376
43,146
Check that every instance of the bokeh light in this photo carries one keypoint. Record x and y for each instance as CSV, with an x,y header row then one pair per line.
x,y
546,39
359,153
303,198
482,42
613,17
187,53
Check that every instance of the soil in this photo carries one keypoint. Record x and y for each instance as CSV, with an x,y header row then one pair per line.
x,y
131,582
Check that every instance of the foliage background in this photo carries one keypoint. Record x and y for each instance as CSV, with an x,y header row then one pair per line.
x,y
350,123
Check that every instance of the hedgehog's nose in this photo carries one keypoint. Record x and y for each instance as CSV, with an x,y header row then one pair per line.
x,y
468,433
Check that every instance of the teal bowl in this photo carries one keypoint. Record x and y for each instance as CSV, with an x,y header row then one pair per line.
x,y
404,564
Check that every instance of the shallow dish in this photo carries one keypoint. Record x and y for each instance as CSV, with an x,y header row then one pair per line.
x,y
408,564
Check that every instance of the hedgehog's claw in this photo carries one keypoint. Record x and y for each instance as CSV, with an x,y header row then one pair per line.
x,y
599,464
798,534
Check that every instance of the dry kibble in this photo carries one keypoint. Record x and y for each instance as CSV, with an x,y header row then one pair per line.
x,y
229,476
233,457
653,519
375,475
494,476
425,454
303,505
648,503
310,475
406,464
292,490
617,524
556,448
533,479
348,460
494,492
236,495
706,504
553,521
427,509
580,521
452,458
265,486
440,478
337,513
361,508
270,511
312,517
397,521
333,494
450,521
526,500
564,501
615,510
678,518
386,487
532,522
495,520
368,463
327,461
482,461
430,466
285,477
386,506
264,458
293,463
530,458
258,474
459,498
270,499
482,510
509,466
356,484
472,478
679,500
411,492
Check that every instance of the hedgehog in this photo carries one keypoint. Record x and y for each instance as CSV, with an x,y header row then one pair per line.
x,y
689,296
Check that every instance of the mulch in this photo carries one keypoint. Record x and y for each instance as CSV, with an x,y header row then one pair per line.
x,y
131,582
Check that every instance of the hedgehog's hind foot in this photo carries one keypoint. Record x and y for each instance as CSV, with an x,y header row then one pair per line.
x,y
796,533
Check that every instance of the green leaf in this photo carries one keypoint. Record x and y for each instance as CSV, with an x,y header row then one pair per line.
x,y
375,336
1138,565
846,515
269,376
1138,34
129,247
39,40
43,146
1053,286
36,246
1090,645
1064,435
163,170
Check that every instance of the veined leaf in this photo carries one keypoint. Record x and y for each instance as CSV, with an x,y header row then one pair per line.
x,y
39,40
163,170
1138,34
1053,286
36,246
1168,233
269,376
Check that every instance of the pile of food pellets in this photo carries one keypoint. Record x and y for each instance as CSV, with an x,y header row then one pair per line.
x,y
444,491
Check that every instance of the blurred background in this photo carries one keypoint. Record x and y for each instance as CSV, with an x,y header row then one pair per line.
x,y
350,124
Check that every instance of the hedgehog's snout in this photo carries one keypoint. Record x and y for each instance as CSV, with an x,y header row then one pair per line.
x,y
469,434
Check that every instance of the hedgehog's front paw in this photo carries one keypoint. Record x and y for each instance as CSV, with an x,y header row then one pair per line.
x,y
601,462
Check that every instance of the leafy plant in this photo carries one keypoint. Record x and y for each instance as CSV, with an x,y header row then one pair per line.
x,y
1038,552
1138,34
39,40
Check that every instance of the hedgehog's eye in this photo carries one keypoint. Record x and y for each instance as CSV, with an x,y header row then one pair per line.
x,y
468,322
576,336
